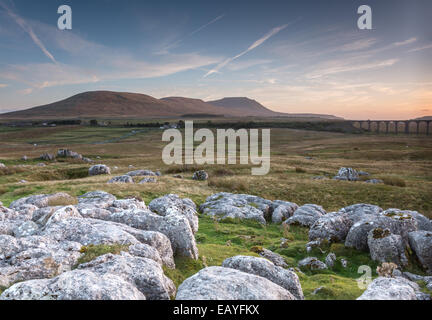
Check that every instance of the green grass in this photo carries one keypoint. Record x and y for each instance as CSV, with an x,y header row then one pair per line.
x,y
91,252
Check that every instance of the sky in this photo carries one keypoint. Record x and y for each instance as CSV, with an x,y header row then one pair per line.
x,y
291,56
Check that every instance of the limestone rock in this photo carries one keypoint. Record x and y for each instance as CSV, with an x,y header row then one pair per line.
x,y
121,179
306,215
75,285
391,289
386,247
421,243
219,283
145,274
266,269
99,169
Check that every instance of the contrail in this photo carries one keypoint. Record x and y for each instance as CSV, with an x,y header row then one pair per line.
x,y
194,32
23,24
254,45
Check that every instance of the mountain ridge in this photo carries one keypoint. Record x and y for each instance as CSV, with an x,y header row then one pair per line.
x,y
106,104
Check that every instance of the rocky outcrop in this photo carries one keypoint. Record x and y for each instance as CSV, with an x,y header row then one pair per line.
x,y
219,283
266,269
99,169
397,288
35,257
359,211
347,174
306,215
244,206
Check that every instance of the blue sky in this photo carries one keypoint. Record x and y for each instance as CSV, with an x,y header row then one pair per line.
x,y
292,56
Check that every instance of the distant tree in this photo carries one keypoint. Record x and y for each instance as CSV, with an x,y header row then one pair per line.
x,y
93,122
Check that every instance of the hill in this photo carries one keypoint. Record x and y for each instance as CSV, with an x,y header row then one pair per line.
x,y
108,104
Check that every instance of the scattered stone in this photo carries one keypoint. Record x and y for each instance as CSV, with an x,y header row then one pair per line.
x,y
41,165
374,181
158,173
24,158
99,169
200,175
397,288
219,283
347,174
386,247
148,180
23,181
317,290
140,173
319,178
363,173
121,179
330,260
266,269
178,176
421,243
344,263
2,166
312,263
47,157
66,153
306,215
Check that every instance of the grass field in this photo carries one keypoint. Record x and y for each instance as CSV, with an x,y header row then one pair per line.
x,y
403,162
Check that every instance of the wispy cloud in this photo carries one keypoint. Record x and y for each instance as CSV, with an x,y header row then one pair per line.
x,y
254,45
359,45
27,28
2,85
429,46
408,41
176,43
343,67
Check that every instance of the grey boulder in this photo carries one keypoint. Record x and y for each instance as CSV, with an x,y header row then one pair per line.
x,y
306,215
75,285
266,269
421,243
386,247
99,169
397,288
219,283
121,179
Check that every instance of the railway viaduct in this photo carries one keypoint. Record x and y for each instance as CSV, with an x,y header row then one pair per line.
x,y
394,126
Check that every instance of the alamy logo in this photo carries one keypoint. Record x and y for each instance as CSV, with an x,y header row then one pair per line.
x,y
365,20
65,20
204,153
